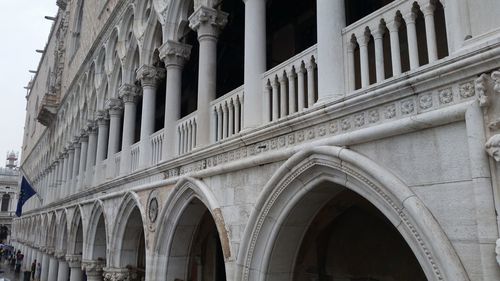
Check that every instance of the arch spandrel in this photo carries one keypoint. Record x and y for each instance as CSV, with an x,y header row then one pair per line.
x,y
355,172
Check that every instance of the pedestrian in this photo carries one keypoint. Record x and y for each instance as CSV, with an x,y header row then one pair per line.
x,y
38,272
33,269
19,261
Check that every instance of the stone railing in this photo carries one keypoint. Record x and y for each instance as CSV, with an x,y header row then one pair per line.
x,y
291,86
134,156
157,147
399,37
227,117
186,133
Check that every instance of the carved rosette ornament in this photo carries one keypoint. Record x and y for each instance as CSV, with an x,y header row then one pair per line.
x,y
150,75
116,274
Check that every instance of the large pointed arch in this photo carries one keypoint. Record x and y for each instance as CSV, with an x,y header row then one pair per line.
x,y
76,235
62,233
298,175
172,216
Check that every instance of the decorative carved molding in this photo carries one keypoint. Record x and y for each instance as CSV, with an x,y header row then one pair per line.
x,y
128,93
114,107
175,53
493,147
150,75
74,261
93,267
116,274
207,21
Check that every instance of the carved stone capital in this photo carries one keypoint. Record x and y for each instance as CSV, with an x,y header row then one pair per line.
x,y
208,22
60,255
128,93
74,261
150,75
493,147
102,117
114,106
116,274
93,267
174,53
91,127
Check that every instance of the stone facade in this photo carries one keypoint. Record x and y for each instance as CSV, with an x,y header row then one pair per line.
x,y
245,140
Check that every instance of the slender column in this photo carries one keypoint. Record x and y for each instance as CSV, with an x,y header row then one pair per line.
x,y
76,164
128,94
350,65
276,108
311,85
430,31
115,109
219,123
393,27
91,153
74,263
69,171
301,84
149,77
93,269
174,54
266,104
63,269
53,268
237,114
255,63
102,144
291,76
331,21
283,96
410,19
207,22
224,121
45,267
363,40
84,141
230,125
378,36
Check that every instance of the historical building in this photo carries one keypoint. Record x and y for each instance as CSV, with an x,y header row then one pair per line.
x,y
345,140
9,192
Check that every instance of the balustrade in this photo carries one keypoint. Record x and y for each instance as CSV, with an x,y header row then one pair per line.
x,y
227,117
157,147
134,156
186,133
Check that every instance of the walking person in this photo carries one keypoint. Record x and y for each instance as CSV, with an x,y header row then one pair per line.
x,y
33,269
38,272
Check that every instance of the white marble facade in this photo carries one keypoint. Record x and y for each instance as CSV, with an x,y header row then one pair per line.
x,y
369,152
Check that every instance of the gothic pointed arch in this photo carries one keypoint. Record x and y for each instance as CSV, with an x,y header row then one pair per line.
x,y
262,248
76,234
97,233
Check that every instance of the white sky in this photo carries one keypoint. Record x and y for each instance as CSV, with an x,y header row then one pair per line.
x,y
23,29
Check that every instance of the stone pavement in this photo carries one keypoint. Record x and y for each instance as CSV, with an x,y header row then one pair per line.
x,y
9,272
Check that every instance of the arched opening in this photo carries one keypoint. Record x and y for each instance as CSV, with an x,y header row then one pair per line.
x,y
133,250
440,23
5,203
230,49
291,29
189,88
99,245
196,251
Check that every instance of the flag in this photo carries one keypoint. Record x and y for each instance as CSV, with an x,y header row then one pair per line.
x,y
26,192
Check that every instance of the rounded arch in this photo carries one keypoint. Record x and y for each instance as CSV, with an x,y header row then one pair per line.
x,y
97,225
306,169
172,215
130,204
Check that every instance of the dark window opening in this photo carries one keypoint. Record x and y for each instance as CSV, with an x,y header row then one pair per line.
x,y
138,115
161,90
440,23
358,9
230,49
423,56
5,203
291,29
189,96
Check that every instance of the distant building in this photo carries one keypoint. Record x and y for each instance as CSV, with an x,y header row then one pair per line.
x,y
9,191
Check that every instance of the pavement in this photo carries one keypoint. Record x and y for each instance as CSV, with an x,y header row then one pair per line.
x,y
9,273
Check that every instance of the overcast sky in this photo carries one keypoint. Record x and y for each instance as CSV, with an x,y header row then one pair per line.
x,y
23,29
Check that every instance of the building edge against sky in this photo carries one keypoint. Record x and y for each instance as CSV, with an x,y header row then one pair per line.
x,y
265,140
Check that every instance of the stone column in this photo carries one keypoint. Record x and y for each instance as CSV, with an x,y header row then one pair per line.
x,y
363,40
91,153
93,269
430,31
102,144
74,263
393,27
53,268
115,110
411,30
174,54
116,274
208,23
45,267
378,37
255,62
331,20
149,77
128,94
63,269
84,141
69,170
76,164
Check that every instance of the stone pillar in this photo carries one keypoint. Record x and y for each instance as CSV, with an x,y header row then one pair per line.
x,y
91,153
430,31
411,30
45,267
331,20
76,164
63,269
255,62
149,77
74,263
174,54
93,269
84,141
116,274
208,22
53,268
378,37
128,94
458,23
69,171
393,27
115,110
363,40
102,144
